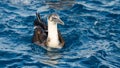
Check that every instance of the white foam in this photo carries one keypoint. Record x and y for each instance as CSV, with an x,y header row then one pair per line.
x,y
95,22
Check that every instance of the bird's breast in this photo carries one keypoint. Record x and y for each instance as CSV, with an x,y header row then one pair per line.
x,y
53,43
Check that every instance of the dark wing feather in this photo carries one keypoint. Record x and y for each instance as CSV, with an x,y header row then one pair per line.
x,y
40,32
39,22
62,42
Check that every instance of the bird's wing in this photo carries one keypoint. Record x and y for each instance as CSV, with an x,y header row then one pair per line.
x,y
39,22
62,42
40,31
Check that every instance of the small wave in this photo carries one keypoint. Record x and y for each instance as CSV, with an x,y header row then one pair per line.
x,y
23,2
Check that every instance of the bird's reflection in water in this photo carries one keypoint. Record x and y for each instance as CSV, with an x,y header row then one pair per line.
x,y
60,4
50,58
53,58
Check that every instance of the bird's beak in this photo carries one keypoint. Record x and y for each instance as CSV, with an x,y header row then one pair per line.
x,y
59,21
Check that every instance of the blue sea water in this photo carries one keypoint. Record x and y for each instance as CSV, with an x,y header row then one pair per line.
x,y
91,33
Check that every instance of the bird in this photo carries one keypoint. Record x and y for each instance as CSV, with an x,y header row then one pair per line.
x,y
48,36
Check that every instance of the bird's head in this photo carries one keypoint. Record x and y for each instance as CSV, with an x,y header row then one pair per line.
x,y
55,19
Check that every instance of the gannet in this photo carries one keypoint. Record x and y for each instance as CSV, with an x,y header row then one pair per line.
x,y
48,36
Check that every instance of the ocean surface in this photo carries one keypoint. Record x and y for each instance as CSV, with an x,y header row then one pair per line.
x,y
91,33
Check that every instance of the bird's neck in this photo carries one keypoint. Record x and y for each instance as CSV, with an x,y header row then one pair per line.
x,y
53,34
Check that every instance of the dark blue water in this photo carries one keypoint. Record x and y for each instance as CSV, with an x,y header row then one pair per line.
x,y
91,33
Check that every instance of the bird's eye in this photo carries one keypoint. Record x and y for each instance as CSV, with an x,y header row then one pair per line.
x,y
54,17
